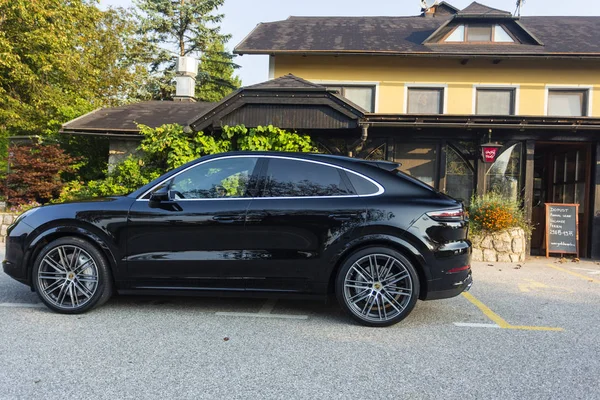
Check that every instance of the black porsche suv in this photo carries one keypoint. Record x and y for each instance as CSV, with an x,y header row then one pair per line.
x,y
253,223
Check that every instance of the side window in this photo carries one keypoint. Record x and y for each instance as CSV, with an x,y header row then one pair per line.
x,y
225,178
361,185
295,178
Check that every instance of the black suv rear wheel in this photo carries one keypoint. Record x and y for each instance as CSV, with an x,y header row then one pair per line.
x,y
377,286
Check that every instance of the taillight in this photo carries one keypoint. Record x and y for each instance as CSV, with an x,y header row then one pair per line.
x,y
454,215
458,269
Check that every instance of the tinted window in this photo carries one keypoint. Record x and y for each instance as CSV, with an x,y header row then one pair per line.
x,y
226,178
294,178
361,185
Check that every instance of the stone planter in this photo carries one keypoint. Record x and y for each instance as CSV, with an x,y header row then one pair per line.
x,y
505,246
5,220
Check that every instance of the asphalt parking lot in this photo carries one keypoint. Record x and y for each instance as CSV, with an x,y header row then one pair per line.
x,y
528,332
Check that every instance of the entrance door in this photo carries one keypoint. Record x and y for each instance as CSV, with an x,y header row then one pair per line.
x,y
561,175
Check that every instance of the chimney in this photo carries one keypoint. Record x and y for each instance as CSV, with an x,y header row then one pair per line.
x,y
428,11
185,78
431,11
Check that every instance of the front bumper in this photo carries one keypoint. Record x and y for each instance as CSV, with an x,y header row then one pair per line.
x,y
14,263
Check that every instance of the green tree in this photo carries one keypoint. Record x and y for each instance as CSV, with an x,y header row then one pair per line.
x,y
216,77
62,59
192,28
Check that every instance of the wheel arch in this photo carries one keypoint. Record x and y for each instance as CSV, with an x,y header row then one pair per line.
x,y
402,246
57,232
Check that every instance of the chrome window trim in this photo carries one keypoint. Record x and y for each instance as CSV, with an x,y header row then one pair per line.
x,y
380,188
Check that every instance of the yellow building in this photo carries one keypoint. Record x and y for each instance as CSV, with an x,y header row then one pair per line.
x,y
432,88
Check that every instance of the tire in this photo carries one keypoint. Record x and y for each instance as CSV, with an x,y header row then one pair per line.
x,y
377,286
71,276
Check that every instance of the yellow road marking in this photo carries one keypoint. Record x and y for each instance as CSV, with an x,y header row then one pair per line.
x,y
534,286
587,278
486,310
501,322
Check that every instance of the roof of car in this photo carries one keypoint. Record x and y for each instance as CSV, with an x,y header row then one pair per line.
x,y
387,165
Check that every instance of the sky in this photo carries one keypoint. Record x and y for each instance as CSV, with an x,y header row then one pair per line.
x,y
241,16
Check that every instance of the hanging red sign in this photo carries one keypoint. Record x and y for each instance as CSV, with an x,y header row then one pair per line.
x,y
489,152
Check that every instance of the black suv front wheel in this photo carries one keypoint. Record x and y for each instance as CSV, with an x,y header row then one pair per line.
x,y
71,276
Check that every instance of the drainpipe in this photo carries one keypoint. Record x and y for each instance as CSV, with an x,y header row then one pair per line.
x,y
357,146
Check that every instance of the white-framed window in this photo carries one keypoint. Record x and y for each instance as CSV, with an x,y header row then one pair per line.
x,y
362,95
425,99
563,101
479,33
495,100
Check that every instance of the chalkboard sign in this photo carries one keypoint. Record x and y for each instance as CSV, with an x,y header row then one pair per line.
x,y
562,228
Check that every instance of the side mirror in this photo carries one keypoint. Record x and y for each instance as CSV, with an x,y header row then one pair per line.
x,y
161,195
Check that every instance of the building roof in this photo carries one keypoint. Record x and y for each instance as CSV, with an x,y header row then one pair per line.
x,y
288,102
123,119
541,36
288,81
479,10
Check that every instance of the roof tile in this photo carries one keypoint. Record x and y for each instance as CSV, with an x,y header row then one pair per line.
x,y
405,35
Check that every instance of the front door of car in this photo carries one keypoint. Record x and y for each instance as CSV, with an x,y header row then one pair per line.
x,y
192,237
307,210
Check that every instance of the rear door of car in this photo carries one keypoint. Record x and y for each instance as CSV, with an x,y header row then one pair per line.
x,y
306,210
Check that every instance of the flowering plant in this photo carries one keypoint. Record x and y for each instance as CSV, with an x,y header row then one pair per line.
x,y
494,212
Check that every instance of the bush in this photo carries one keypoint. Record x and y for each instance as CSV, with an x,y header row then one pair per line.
x,y
168,147
127,176
35,173
494,212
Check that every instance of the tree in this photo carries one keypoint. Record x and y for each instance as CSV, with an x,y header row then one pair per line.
x,y
35,173
192,28
62,59
216,77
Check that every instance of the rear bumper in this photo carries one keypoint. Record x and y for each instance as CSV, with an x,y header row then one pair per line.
x,y
457,286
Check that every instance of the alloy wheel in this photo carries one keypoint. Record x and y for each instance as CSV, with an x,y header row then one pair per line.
x,y
377,288
68,277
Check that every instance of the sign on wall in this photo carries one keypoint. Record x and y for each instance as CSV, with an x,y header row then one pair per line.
x,y
562,228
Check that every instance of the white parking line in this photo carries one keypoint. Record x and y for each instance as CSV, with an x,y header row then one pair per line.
x,y
258,315
25,305
589,271
476,325
268,306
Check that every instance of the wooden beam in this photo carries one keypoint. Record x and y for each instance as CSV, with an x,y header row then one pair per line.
x,y
481,170
528,191
595,243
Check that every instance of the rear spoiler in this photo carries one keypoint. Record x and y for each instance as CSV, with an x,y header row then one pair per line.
x,y
385,165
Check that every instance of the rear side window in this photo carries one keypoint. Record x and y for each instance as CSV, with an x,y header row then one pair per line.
x,y
361,185
296,178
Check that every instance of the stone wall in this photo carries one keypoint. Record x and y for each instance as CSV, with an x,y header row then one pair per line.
x,y
5,220
505,246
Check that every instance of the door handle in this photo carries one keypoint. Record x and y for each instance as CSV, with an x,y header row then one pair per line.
x,y
344,216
